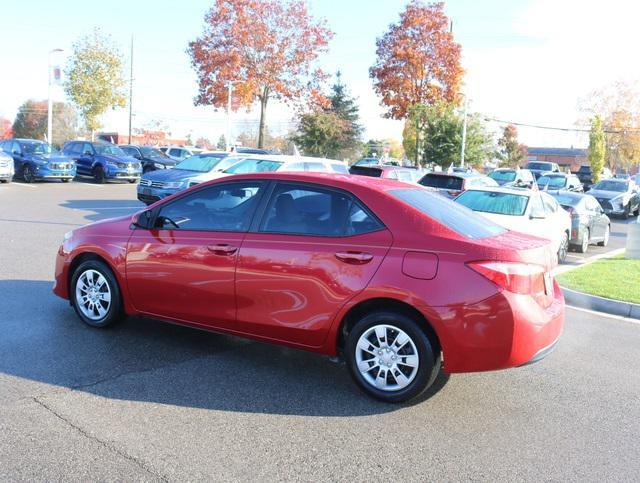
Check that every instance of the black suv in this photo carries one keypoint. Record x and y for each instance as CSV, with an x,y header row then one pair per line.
x,y
586,178
150,157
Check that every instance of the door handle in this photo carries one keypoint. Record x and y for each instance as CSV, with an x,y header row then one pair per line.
x,y
222,249
354,258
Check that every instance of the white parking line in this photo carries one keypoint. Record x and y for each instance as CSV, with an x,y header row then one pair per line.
x,y
23,185
89,208
602,314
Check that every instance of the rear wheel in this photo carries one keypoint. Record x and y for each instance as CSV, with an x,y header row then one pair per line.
x,y
390,358
27,175
584,246
98,175
564,248
132,181
605,239
95,294
65,180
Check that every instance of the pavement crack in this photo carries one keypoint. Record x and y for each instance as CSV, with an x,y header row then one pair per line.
x,y
105,444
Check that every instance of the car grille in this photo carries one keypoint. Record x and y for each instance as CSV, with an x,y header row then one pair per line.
x,y
148,198
128,165
152,184
4,163
60,165
606,204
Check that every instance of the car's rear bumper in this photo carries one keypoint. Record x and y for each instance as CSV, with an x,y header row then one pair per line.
x,y
506,330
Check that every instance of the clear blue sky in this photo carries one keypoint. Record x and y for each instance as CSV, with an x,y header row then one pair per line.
x,y
519,56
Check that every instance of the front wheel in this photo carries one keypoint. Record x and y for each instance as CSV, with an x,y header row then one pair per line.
x,y
132,181
605,239
65,180
564,248
584,246
98,175
95,294
27,175
390,358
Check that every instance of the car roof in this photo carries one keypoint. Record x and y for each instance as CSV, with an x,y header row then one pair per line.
x,y
504,189
286,158
468,174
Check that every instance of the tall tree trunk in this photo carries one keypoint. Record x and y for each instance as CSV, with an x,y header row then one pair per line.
x,y
263,112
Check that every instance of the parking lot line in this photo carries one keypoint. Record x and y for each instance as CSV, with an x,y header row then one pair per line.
x,y
23,185
89,208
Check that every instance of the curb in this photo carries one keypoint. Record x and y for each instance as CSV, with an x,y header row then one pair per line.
x,y
601,304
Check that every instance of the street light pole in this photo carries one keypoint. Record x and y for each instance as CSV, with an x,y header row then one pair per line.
x,y
228,137
464,132
50,102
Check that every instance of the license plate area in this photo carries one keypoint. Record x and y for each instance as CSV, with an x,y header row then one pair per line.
x,y
548,284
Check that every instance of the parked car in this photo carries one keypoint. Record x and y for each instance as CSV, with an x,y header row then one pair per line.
x,y
35,160
618,197
589,224
513,177
150,157
384,171
368,162
103,161
527,211
7,169
333,264
245,150
159,184
559,181
586,177
452,184
179,153
538,168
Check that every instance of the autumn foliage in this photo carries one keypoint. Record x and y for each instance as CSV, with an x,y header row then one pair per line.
x,y
418,61
268,47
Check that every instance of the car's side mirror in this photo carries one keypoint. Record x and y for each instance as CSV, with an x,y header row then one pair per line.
x,y
142,220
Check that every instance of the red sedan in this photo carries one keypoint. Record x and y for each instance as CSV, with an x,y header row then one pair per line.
x,y
393,277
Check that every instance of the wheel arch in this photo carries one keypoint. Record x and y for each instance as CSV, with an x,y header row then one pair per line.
x,y
363,307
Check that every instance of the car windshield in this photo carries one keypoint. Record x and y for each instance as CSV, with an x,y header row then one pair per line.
x,y
201,163
494,202
452,215
108,149
442,182
153,153
566,200
35,147
503,176
367,162
552,182
540,166
610,185
254,166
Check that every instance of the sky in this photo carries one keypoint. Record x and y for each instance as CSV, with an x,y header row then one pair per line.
x,y
526,61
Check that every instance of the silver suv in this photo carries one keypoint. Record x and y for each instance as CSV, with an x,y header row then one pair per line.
x,y
6,168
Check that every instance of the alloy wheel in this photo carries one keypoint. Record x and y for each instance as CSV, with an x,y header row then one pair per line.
x,y
564,247
387,357
93,294
585,242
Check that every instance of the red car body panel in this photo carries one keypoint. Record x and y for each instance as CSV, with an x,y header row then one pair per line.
x,y
294,290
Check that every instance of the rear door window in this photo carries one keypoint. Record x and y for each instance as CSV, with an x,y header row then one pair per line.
x,y
453,215
439,181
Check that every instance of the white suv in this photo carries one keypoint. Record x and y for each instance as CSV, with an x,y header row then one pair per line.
x,y
6,168
178,153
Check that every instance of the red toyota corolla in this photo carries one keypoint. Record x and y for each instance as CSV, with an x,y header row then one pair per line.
x,y
393,277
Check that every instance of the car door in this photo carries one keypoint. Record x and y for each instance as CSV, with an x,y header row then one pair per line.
x,y
15,151
74,151
184,267
313,250
598,223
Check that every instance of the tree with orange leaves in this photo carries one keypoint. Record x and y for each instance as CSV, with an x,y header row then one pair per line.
x,y
268,48
418,62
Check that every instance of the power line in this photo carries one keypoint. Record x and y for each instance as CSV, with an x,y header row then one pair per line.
x,y
554,128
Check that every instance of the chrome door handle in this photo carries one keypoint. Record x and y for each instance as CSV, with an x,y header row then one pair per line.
x,y
222,249
355,258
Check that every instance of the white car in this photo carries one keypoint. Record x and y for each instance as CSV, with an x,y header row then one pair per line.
x,y
6,168
257,163
527,211
178,153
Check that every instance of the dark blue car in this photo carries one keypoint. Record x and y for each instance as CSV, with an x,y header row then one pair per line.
x,y
103,161
34,160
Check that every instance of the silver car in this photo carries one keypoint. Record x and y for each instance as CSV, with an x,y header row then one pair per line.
x,y
6,168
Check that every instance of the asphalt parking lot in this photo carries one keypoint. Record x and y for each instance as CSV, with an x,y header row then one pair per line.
x,y
152,401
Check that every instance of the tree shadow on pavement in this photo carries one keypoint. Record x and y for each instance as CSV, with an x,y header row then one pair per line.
x,y
146,360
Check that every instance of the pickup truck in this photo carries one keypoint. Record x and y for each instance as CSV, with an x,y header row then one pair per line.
x,y
586,178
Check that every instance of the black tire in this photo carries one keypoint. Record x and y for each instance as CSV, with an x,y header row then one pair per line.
x,y
585,243
132,181
114,312
65,180
98,175
605,242
627,212
564,248
429,361
27,175
637,212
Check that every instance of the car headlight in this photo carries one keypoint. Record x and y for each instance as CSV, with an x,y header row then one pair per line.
x,y
177,184
159,166
68,235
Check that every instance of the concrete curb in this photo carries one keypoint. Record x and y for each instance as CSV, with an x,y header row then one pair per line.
x,y
601,304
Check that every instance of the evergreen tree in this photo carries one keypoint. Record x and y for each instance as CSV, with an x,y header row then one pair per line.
x,y
596,148
346,108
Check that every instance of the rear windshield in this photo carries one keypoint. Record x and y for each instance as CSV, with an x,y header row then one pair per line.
x,y
452,215
494,202
540,166
442,181
505,176
585,169
365,171
553,182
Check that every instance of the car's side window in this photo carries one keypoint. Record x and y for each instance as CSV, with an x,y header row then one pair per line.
x,y
309,210
226,207
76,149
550,204
87,149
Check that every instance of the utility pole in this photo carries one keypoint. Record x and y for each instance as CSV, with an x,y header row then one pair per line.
x,y
130,89
228,139
464,132
50,102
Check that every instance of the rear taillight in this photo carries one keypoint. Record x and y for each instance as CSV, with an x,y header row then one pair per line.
x,y
522,278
